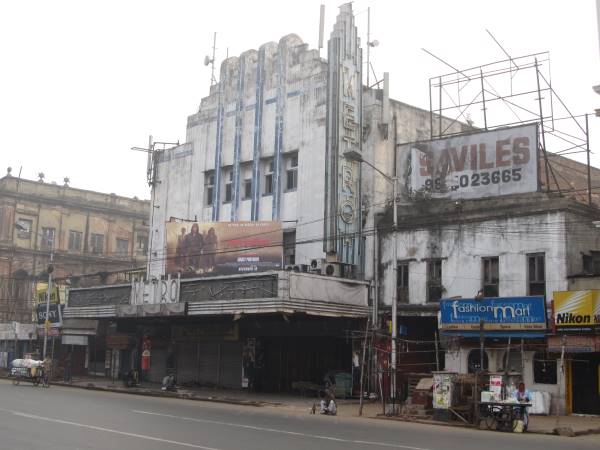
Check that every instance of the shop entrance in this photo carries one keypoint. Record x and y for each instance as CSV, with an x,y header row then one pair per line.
x,y
295,359
586,384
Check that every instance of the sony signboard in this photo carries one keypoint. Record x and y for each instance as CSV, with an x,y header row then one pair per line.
x,y
486,164
223,248
497,314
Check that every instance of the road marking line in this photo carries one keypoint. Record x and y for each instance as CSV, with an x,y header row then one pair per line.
x,y
110,430
274,430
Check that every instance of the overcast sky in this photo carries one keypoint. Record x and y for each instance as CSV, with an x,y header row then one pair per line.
x,y
83,81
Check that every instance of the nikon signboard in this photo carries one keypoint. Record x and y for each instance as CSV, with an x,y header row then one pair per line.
x,y
577,310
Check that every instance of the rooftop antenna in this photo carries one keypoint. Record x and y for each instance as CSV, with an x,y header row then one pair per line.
x,y
151,175
208,60
321,27
370,43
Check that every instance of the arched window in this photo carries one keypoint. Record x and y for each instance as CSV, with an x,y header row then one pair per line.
x,y
474,361
544,368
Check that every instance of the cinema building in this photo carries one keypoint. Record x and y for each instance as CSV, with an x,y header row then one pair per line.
x,y
262,256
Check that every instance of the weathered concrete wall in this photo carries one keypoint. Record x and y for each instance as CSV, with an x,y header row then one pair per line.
x,y
463,244
269,103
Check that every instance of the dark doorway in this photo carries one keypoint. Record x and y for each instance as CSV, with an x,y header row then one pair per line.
x,y
586,385
295,359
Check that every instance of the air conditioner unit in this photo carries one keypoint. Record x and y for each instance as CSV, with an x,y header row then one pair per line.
x,y
331,269
315,265
304,268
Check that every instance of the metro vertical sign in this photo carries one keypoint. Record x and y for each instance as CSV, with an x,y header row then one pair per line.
x,y
344,134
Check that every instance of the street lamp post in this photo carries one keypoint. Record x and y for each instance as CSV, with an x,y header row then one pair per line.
x,y
356,156
48,294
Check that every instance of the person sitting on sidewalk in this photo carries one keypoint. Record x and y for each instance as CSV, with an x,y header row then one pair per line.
x,y
328,405
168,383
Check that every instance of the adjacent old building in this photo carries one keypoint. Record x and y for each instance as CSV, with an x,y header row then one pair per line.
x,y
83,232
476,221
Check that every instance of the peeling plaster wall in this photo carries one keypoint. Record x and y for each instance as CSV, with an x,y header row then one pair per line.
x,y
285,82
279,90
462,245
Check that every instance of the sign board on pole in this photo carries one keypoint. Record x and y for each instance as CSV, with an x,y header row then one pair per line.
x,y
486,164
54,318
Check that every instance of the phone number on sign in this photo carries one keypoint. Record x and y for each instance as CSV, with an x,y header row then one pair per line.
x,y
477,179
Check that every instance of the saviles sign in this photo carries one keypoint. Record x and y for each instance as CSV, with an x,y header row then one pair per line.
x,y
577,310
492,163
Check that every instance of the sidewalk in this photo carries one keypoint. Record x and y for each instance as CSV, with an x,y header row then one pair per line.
x,y
564,425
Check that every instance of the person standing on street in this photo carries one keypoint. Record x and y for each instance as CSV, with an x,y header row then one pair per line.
x,y
68,367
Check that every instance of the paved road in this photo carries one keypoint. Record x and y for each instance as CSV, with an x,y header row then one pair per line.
x,y
65,418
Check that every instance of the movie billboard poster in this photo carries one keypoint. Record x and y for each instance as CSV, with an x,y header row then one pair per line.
x,y
223,248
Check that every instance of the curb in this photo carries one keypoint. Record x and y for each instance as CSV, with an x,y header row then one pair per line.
x,y
165,394
151,393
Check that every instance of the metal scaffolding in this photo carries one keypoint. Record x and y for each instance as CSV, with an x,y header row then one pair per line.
x,y
509,92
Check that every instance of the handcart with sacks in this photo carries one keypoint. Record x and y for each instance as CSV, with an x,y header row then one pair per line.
x,y
29,370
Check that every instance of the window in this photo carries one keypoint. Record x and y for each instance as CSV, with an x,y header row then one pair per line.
x,y
292,172
591,263
490,267
402,282
75,238
247,189
209,187
474,361
434,280
23,227
97,243
142,243
228,185
48,237
122,247
544,368
269,180
246,177
289,247
536,274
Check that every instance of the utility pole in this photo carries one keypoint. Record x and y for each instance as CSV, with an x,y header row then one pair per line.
x,y
394,295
